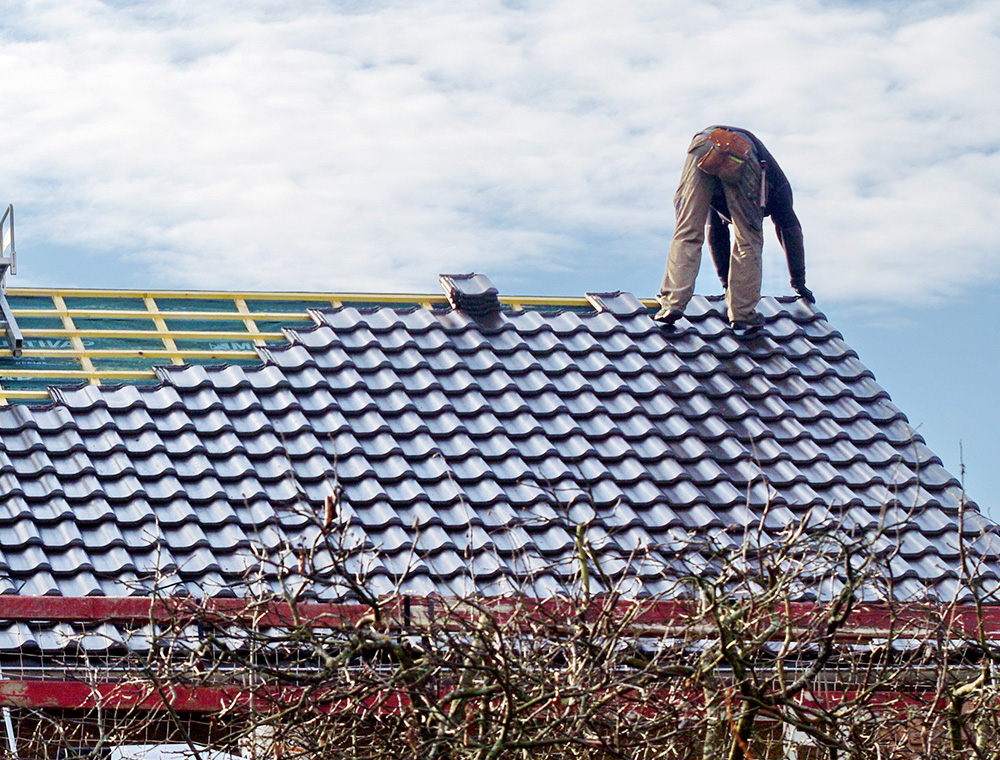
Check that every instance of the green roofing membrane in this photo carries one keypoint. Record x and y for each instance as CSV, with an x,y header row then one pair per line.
x,y
30,302
210,343
37,383
90,303
130,363
258,306
250,361
47,344
196,304
113,324
397,305
38,363
275,326
206,325
112,342
550,308
40,323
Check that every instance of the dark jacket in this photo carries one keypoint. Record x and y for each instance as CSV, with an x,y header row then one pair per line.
x,y
777,205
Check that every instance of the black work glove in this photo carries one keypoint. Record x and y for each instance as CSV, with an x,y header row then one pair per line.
x,y
804,292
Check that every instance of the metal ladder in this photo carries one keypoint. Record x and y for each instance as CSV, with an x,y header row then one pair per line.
x,y
8,263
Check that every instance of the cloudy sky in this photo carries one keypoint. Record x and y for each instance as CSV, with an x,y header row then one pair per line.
x,y
363,145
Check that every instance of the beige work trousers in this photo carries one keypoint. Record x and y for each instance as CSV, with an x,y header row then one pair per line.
x,y
692,203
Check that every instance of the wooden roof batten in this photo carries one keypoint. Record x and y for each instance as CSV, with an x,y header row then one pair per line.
x,y
64,341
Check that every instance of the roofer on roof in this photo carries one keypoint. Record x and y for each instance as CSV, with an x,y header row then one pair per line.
x,y
729,176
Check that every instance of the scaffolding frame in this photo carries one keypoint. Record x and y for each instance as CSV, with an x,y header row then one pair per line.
x,y
8,265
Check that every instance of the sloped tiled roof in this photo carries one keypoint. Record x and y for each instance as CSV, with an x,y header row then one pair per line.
x,y
466,449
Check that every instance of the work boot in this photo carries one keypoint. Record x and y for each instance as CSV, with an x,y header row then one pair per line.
x,y
755,320
666,317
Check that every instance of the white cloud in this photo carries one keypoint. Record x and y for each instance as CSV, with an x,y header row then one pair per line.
x,y
371,146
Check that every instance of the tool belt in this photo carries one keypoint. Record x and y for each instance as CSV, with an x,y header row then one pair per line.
x,y
727,155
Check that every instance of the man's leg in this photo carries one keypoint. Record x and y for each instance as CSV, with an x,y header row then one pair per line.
x,y
745,268
692,201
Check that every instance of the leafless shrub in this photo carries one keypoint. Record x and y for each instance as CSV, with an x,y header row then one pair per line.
x,y
763,644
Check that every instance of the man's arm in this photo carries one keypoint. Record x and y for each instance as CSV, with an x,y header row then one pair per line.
x,y
789,231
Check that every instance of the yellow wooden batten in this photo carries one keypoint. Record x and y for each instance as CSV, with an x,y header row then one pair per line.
x,y
113,353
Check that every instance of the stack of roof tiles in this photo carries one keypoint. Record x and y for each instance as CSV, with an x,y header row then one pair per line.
x,y
464,458
471,294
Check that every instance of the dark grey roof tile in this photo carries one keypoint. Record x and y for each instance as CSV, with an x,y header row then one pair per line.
x,y
696,516
82,583
915,455
614,447
78,397
864,389
558,427
627,471
516,362
199,563
933,523
472,401
319,336
898,431
823,474
583,404
288,357
581,345
692,448
21,441
619,304
659,518
39,583
55,418
548,409
912,545
307,379
984,546
559,362
63,538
